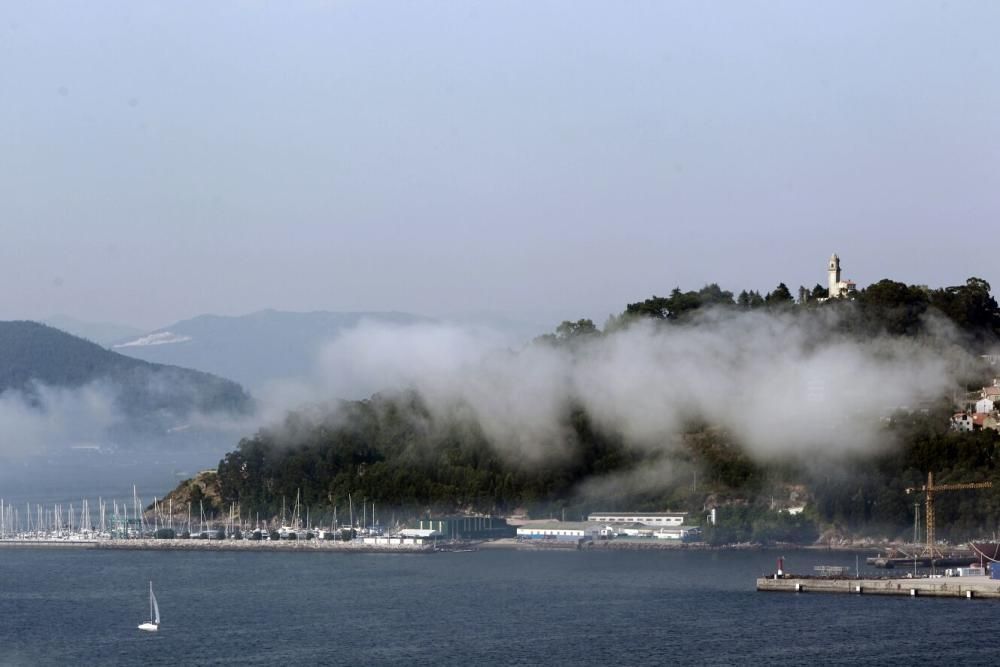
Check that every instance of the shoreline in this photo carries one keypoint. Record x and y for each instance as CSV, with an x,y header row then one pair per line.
x,y
310,546
313,546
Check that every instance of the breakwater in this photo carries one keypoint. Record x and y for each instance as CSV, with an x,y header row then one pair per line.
x,y
952,587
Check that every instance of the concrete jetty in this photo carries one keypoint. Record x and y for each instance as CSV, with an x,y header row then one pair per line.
x,y
950,587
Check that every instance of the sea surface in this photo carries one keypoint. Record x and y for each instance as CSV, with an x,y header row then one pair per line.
x,y
491,607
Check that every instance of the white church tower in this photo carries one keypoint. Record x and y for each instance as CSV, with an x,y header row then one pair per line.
x,y
836,287
833,277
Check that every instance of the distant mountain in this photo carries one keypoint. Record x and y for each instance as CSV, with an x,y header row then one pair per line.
x,y
252,349
103,333
35,356
76,418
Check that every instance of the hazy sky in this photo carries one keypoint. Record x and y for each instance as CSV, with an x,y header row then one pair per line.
x,y
541,160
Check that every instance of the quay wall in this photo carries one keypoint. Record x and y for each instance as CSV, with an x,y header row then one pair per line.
x,y
952,587
220,545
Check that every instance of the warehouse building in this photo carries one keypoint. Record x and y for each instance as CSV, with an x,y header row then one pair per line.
x,y
468,527
574,531
678,533
655,519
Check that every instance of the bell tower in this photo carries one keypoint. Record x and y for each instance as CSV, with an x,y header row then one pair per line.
x,y
833,276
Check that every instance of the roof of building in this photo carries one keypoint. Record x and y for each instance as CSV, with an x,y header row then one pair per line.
x,y
979,418
419,532
637,514
562,525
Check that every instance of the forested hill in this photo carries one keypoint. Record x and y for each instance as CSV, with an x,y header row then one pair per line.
x,y
34,355
394,450
391,450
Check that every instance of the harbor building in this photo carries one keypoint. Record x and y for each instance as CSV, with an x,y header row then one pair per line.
x,y
563,531
654,519
678,533
468,527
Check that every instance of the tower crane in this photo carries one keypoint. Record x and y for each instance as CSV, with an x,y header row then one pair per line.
x,y
931,550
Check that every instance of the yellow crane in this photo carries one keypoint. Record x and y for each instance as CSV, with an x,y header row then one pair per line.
x,y
931,550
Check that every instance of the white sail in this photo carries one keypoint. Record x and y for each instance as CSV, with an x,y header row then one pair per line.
x,y
156,607
154,613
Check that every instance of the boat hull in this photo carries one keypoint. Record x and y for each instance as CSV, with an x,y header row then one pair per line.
x,y
988,550
149,627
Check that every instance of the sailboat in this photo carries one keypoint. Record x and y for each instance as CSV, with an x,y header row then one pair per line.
x,y
154,613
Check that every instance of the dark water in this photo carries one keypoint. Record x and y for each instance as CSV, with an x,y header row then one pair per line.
x,y
80,607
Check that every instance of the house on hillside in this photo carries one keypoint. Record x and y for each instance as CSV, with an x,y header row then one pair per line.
x,y
961,421
985,406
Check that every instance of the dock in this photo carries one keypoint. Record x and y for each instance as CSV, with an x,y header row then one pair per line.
x,y
948,587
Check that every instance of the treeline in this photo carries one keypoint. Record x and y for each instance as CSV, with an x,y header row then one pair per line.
x,y
888,307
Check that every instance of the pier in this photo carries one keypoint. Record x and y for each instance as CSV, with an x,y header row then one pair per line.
x,y
939,586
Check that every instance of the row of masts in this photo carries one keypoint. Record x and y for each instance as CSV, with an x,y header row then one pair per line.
x,y
123,519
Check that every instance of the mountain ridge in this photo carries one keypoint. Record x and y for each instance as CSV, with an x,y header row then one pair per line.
x,y
253,349
34,354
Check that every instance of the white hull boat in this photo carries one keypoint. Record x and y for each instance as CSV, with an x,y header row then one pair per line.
x,y
154,613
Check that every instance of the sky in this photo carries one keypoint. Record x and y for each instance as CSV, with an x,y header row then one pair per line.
x,y
538,160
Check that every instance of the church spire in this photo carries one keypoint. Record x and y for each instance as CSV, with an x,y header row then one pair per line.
x,y
833,277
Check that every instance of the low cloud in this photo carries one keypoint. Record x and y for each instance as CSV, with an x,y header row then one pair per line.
x,y
778,384
46,419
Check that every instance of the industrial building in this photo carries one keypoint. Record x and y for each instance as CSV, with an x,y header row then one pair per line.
x,y
563,531
655,519
680,533
468,527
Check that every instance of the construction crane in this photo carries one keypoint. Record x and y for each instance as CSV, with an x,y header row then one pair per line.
x,y
931,550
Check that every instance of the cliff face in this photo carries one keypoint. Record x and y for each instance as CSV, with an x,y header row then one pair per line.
x,y
200,493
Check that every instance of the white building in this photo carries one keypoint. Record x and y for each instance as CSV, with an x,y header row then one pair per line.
x,y
423,533
679,533
562,530
984,406
837,288
395,541
961,421
654,519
